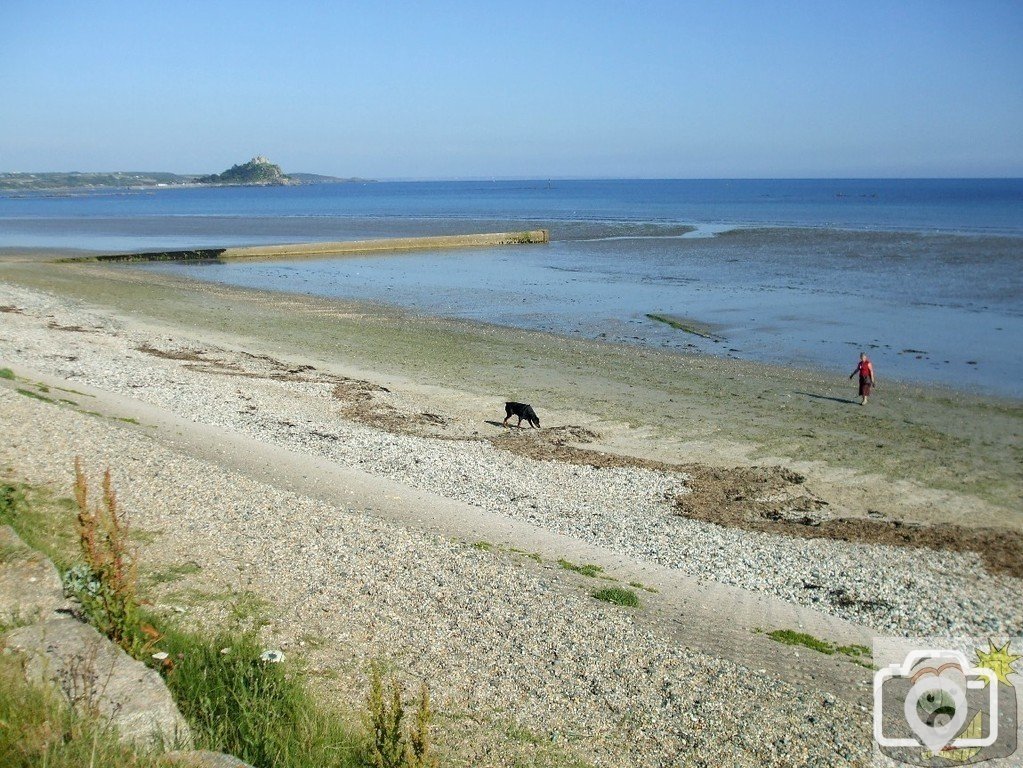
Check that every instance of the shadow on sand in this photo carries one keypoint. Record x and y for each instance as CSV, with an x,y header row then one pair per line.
x,y
825,397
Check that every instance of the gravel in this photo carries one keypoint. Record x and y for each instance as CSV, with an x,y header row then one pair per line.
x,y
894,590
519,663
523,670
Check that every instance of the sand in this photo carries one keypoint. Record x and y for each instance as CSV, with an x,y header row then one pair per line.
x,y
915,453
243,395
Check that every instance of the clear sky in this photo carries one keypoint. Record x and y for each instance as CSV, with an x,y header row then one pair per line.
x,y
525,89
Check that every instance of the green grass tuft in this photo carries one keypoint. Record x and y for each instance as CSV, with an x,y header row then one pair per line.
x,y
43,522
35,395
7,373
854,650
588,569
531,555
173,573
791,637
639,585
856,653
618,596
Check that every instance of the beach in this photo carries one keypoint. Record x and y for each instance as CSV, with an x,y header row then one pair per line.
x,y
345,462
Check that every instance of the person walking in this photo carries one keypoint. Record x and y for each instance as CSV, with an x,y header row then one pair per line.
x,y
865,369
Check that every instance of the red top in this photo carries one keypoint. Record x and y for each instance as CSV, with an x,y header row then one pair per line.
x,y
866,369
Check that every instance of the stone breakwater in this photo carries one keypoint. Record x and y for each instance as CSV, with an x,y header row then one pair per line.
x,y
334,249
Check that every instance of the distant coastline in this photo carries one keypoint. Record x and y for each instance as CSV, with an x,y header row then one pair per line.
x,y
256,172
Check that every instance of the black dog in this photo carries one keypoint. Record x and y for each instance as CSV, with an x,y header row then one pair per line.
x,y
523,411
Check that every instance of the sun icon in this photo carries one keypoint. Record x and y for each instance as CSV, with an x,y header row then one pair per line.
x,y
999,661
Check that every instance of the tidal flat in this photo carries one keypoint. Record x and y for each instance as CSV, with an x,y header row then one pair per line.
x,y
961,453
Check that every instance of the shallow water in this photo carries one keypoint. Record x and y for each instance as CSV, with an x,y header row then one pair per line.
x,y
811,303
924,275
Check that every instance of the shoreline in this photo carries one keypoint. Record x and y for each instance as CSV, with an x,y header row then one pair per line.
x,y
685,325
346,463
580,289
952,443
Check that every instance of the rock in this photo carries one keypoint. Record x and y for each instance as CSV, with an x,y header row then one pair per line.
x,y
30,587
201,758
97,676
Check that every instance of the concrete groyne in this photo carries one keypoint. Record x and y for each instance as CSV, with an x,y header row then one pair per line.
x,y
331,250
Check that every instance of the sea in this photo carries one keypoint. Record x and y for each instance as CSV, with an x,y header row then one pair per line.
x,y
924,275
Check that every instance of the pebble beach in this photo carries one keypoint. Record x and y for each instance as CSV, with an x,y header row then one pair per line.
x,y
527,667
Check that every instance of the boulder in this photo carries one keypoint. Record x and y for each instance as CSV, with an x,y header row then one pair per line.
x,y
30,587
97,677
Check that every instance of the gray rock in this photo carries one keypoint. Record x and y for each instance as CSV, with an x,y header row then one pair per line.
x,y
30,587
202,758
98,677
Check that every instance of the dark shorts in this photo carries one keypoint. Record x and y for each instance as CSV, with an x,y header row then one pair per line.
x,y
865,385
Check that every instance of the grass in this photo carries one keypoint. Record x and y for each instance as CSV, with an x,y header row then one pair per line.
x,y
534,556
483,546
587,569
44,521
35,395
639,585
7,373
173,573
618,596
791,637
73,391
263,713
37,728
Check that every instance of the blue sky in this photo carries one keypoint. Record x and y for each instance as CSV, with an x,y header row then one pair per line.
x,y
556,89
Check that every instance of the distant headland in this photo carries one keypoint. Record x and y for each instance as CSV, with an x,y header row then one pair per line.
x,y
258,171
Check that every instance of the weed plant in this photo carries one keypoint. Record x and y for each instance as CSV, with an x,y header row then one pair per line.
x,y
234,702
394,744
106,584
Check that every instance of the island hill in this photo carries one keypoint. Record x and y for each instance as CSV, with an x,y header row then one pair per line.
x,y
258,171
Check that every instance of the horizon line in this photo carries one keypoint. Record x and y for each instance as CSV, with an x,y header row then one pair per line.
x,y
495,178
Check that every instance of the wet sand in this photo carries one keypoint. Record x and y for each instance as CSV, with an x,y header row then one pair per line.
x,y
915,453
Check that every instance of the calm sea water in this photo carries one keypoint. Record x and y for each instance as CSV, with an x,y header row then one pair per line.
x,y
923,274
